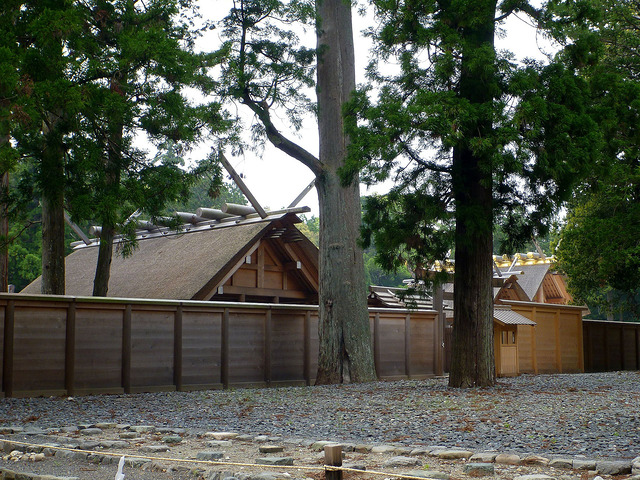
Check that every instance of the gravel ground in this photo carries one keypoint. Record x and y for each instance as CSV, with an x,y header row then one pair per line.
x,y
596,415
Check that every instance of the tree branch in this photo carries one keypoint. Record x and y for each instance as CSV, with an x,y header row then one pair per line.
x,y
280,141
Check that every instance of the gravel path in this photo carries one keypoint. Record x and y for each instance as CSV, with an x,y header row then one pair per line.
x,y
597,415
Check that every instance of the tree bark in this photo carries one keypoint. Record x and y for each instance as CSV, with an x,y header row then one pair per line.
x,y
53,271
346,354
473,361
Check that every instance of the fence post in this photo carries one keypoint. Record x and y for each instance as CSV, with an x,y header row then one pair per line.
x,y
224,350
177,348
307,348
7,361
70,350
333,458
126,349
268,328
407,345
376,345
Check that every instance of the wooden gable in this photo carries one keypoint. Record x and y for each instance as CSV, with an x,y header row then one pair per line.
x,y
275,271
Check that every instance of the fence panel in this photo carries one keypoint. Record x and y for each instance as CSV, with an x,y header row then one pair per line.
x,y
57,345
611,345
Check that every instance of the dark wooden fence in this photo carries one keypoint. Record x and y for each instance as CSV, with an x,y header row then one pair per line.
x,y
611,345
82,345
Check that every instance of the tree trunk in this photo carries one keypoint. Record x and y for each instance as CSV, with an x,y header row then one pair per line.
x,y
473,360
53,272
346,354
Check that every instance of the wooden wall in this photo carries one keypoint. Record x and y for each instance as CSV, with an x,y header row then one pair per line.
x,y
611,345
555,344
83,345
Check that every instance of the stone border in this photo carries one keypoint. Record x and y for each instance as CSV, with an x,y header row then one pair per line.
x,y
478,463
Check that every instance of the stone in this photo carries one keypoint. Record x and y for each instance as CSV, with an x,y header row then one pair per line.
x,y
136,462
114,444
270,449
453,454
584,464
430,474
507,459
635,466
483,457
479,469
106,425
615,467
535,476
88,445
535,460
401,461
222,435
129,435
143,428
172,439
383,449
70,429
275,461
561,463
361,448
261,438
319,446
71,455
154,448
403,450
220,443
209,455
419,452
10,430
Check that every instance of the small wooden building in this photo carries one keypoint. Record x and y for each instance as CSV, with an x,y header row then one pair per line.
x,y
535,330
243,258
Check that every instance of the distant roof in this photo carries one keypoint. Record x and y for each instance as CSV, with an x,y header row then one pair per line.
x,y
397,297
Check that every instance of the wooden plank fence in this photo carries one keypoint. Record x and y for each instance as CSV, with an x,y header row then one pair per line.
x,y
60,345
611,346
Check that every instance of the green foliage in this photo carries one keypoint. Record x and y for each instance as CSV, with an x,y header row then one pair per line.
x,y
266,66
598,246
532,129
310,227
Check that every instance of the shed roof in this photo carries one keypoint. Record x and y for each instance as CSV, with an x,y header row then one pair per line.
x,y
506,316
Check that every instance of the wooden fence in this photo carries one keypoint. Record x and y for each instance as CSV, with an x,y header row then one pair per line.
x,y
611,345
555,344
82,345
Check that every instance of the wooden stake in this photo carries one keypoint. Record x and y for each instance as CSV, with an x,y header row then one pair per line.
x,y
333,458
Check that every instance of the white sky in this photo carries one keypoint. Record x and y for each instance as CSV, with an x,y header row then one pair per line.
x,y
276,179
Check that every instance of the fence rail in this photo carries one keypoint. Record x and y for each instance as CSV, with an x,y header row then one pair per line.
x,y
60,345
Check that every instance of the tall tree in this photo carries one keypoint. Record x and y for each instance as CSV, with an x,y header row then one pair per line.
x,y
267,70
138,63
602,266
471,137
48,105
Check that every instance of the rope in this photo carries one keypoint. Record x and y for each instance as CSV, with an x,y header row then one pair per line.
x,y
324,468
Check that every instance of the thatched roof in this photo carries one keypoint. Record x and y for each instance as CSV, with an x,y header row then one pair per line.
x,y
180,266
